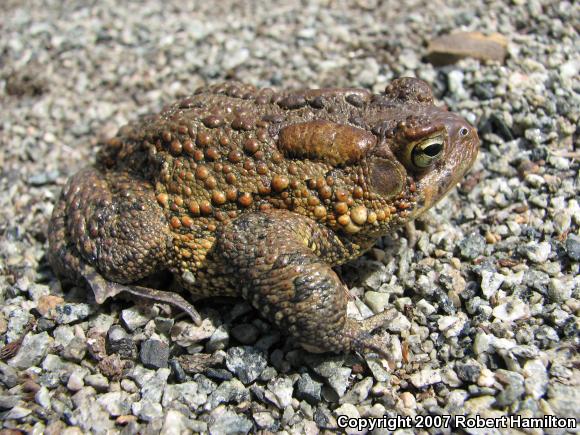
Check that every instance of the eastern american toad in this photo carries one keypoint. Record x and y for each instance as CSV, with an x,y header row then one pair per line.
x,y
258,193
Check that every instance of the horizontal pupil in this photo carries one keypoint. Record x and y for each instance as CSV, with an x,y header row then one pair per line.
x,y
433,150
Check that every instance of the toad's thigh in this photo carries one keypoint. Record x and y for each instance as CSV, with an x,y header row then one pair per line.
x,y
111,222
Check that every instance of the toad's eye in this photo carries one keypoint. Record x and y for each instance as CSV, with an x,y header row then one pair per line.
x,y
425,153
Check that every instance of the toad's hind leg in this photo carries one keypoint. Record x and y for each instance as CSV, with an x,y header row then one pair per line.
x,y
282,260
108,229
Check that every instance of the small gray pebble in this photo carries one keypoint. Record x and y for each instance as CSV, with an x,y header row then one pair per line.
x,y
75,350
163,325
359,392
133,318
42,397
75,382
282,389
246,363
218,340
268,374
42,178
120,342
308,389
8,401
324,418
16,413
573,247
147,410
115,403
232,391
472,246
69,313
97,381
225,421
177,370
331,368
154,354
513,387
218,374
468,371
33,349
378,371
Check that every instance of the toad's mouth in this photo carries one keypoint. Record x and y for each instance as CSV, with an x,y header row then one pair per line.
x,y
435,188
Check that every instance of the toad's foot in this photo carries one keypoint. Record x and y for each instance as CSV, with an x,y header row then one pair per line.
x,y
360,332
104,289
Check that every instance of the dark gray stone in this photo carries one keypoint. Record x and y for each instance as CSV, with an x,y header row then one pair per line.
x,y
120,342
163,325
154,354
8,375
573,247
468,371
308,389
324,418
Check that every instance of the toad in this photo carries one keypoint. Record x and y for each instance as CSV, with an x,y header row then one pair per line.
x,y
259,193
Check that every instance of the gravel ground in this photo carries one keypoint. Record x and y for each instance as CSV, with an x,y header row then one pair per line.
x,y
487,301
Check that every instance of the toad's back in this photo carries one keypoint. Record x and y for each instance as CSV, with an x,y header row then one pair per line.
x,y
230,148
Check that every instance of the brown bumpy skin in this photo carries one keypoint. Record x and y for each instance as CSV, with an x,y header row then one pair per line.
x,y
258,193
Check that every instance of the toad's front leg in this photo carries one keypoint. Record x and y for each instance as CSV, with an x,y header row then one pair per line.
x,y
279,257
